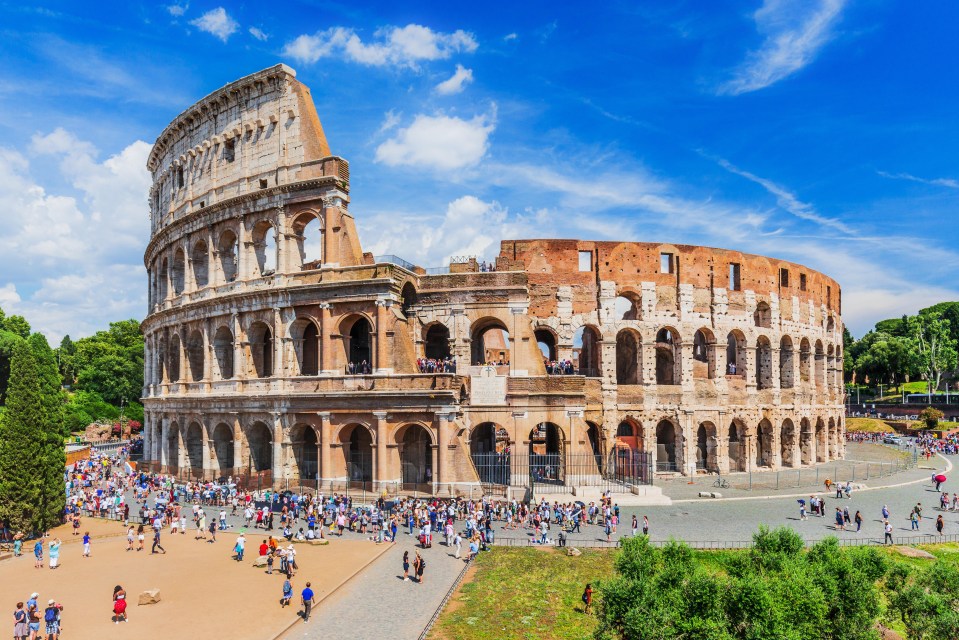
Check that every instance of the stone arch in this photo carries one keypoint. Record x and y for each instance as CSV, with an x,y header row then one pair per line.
x,y
807,443
490,453
173,446
706,447
259,441
704,354
786,363
822,450
820,362
830,324
547,458
195,355
194,448
162,356
306,346
178,274
436,341
357,446
805,360
787,444
764,444
260,336
173,357
264,247
763,316
228,253
163,281
668,446
629,357
626,306
736,445
223,350
833,437
200,262
629,434
546,341
306,452
408,298
223,449
357,333
587,351
669,361
594,436
490,341
736,353
764,363
307,229
415,444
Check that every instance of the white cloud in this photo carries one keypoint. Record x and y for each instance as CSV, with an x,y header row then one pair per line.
x,y
390,121
457,82
794,33
259,34
937,182
438,142
217,22
510,36
401,46
9,296
176,10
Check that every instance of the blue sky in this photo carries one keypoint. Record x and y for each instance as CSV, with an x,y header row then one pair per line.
x,y
821,131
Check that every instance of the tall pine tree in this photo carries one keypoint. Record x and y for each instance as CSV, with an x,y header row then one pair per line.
x,y
53,456
22,444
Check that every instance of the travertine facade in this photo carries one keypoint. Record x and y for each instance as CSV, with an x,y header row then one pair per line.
x,y
261,296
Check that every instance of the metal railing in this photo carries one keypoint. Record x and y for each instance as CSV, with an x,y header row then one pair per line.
x,y
558,473
446,599
392,259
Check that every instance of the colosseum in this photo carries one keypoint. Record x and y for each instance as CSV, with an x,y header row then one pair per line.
x,y
280,353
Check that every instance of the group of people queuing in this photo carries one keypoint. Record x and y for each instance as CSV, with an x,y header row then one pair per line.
x,y
436,365
559,367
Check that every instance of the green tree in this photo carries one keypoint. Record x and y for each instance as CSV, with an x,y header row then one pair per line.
x,y
66,354
17,325
110,363
8,341
935,345
884,358
53,456
931,416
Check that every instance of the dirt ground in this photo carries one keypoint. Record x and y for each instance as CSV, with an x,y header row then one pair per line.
x,y
203,590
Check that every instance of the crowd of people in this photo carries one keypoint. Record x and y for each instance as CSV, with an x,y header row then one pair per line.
x,y
436,365
559,367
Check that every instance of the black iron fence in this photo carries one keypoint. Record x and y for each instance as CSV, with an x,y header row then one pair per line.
x,y
554,472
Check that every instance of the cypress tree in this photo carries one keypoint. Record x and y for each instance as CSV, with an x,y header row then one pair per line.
x,y
22,444
53,455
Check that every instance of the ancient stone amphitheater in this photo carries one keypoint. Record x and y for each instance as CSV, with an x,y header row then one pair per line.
x,y
279,353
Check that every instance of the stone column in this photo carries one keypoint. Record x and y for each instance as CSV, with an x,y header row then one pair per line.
x,y
180,446
383,359
326,328
239,362
279,362
326,433
163,446
244,253
207,443
208,355
237,444
278,469
381,460
330,254
434,479
751,369
147,436
443,475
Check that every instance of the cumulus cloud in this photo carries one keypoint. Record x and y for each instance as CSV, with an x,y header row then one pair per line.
x,y
457,82
795,31
259,34
438,142
217,22
400,46
177,10
71,258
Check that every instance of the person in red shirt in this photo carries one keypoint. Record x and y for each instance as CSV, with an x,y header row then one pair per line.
x,y
264,548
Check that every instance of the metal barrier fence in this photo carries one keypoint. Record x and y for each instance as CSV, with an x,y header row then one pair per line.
x,y
446,599
557,473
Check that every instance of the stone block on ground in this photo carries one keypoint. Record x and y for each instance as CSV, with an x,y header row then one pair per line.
x,y
573,551
150,596
912,552
319,542
259,561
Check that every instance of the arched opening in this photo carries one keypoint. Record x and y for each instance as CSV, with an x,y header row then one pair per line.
x,y
626,308
437,343
305,452
416,456
704,354
490,452
223,351
200,260
736,354
702,440
830,324
264,247
764,363
491,343
807,444
737,461
804,360
786,363
830,368
306,346
408,298
259,439
173,358
194,448
764,444
358,452
228,250
359,348
586,348
163,281
223,449
628,357
668,360
706,447
763,316
194,354
179,271
173,447
666,447
546,341
822,451
261,349
820,379
162,356
787,444
546,461
629,435
308,232
595,441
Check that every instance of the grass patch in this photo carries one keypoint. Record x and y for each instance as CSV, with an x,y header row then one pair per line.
x,y
871,425
525,594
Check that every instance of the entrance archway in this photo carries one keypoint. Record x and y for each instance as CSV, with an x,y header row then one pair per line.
x,y
359,350
490,342
358,453
822,451
764,444
787,444
305,452
223,449
737,461
490,452
416,456
173,447
701,447
194,448
666,447
546,460
706,437
260,442
586,347
807,444
437,343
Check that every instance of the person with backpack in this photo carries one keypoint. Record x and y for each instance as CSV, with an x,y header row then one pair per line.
x,y
51,616
38,554
287,593
587,598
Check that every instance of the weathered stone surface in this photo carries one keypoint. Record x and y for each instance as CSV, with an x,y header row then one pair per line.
x,y
259,561
150,596
913,552
573,551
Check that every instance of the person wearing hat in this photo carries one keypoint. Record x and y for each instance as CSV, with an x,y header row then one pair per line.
x,y
52,618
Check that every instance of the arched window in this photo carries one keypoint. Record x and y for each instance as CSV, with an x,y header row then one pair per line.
x,y
626,308
223,350
261,349
586,351
764,363
805,361
704,360
668,360
628,356
201,264
228,252
173,358
163,281
264,247
359,350
491,342
408,296
195,355
310,362
179,268
437,343
546,342
308,232
786,363
736,354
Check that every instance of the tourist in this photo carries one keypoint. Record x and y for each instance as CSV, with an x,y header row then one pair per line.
x,y
645,526
287,593
240,547
21,628
802,509
885,512
212,531
140,538
38,554
156,542
86,544
51,616
307,597
635,525
406,566
609,529
888,529
840,521
130,536
587,598
33,615
119,604
914,519
858,520
939,524
55,553
18,544
420,566
458,543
